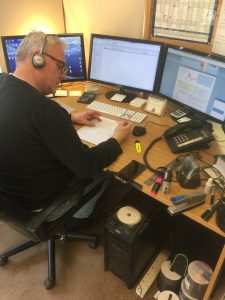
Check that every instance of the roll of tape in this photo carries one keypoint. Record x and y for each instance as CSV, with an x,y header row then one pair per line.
x,y
165,295
167,279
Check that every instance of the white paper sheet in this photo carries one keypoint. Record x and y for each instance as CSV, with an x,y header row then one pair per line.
x,y
102,131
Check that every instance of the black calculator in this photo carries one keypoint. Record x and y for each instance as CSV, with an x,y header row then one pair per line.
x,y
87,97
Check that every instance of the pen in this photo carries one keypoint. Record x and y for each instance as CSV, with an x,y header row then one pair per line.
x,y
138,146
156,186
209,212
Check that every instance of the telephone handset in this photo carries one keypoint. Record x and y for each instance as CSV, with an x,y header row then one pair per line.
x,y
188,136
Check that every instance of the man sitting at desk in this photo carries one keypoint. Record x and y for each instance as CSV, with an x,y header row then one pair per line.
x,y
40,150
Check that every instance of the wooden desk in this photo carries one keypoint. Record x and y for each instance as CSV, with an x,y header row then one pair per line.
x,y
159,155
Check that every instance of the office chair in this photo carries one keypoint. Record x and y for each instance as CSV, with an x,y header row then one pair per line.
x,y
37,228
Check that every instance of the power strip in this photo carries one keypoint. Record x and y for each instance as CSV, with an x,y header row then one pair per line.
x,y
151,274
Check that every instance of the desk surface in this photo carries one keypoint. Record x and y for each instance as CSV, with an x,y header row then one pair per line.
x,y
159,155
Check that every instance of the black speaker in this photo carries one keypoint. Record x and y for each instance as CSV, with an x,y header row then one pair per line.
x,y
38,58
129,248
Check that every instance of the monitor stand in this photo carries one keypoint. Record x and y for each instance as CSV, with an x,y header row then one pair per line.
x,y
128,98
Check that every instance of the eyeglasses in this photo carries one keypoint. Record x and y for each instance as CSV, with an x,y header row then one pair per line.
x,y
62,66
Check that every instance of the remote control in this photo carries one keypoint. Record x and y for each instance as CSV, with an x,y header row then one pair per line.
x,y
86,97
151,274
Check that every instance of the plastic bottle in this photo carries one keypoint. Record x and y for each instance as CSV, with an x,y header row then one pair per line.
x,y
208,185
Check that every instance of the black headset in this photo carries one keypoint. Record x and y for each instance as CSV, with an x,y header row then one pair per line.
x,y
38,59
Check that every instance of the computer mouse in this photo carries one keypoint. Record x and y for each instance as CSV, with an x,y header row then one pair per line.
x,y
138,131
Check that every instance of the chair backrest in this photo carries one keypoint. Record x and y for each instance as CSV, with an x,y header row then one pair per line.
x,y
36,226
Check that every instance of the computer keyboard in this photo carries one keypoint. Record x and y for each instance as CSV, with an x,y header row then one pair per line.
x,y
117,111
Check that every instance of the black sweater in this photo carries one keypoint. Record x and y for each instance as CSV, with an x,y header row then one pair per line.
x,y
40,151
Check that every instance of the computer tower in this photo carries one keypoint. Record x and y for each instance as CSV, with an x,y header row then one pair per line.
x,y
133,235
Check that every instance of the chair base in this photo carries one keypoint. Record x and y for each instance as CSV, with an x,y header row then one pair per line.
x,y
70,236
50,281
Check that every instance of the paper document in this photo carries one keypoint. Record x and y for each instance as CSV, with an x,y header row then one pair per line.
x,y
102,131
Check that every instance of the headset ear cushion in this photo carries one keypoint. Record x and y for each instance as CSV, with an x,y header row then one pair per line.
x,y
38,60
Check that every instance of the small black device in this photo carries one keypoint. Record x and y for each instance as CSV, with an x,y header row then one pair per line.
x,y
138,131
130,171
87,97
220,218
188,136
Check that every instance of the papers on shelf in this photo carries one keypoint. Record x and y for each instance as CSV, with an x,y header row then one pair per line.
x,y
102,131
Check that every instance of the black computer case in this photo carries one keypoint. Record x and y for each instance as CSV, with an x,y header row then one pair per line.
x,y
129,250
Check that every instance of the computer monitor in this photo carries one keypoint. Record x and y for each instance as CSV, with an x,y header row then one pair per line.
x,y
74,53
195,80
75,56
129,64
10,45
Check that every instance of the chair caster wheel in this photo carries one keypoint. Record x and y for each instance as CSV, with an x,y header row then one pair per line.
x,y
93,244
49,284
3,260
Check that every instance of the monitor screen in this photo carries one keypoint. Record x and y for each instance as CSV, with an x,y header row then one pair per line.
x,y
124,62
10,45
74,53
75,56
195,80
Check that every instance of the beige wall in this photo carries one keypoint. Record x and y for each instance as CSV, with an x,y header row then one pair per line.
x,y
114,17
22,16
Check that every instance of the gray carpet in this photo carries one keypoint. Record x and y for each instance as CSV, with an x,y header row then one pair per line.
x,y
80,273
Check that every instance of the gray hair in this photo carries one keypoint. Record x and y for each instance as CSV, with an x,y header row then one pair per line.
x,y
33,42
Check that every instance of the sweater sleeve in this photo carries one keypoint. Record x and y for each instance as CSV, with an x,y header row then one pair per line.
x,y
62,141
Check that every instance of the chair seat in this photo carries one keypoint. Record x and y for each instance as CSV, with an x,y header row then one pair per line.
x,y
47,225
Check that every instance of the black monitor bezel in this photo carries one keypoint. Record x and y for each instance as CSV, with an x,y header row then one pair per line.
x,y
6,37
191,51
123,87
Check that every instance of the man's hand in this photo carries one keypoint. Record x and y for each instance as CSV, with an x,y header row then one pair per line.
x,y
86,117
122,131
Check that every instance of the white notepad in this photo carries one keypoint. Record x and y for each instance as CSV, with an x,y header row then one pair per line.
x,y
102,131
